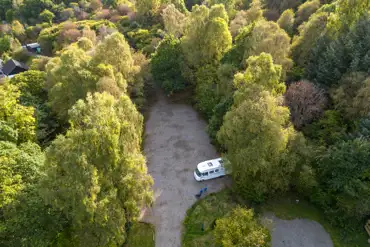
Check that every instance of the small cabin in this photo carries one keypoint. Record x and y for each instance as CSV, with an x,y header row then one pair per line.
x,y
13,67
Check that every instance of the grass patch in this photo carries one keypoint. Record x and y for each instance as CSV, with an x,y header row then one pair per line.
x,y
287,208
141,235
204,213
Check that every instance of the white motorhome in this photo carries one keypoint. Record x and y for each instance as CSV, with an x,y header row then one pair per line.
x,y
210,169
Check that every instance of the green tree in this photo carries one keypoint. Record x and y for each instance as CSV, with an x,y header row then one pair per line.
x,y
309,33
147,7
278,6
343,176
346,14
69,80
208,36
305,10
261,75
9,15
257,132
5,5
96,174
67,14
331,59
229,4
362,129
85,44
18,31
352,88
26,220
32,87
205,94
33,93
244,18
5,44
329,129
15,116
217,117
179,4
19,168
166,65
255,11
286,21
115,51
29,222
47,16
31,9
203,47
174,21
361,106
263,36
75,73
241,229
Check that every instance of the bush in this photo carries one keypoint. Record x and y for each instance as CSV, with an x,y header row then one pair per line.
x,y
328,130
166,66
240,228
217,118
5,43
205,91
343,175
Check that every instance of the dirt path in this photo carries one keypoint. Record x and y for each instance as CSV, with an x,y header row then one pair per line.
x,y
176,141
296,233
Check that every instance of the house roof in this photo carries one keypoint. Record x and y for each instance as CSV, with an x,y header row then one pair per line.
x,y
1,69
11,64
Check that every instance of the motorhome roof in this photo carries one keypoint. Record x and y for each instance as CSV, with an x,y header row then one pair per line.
x,y
210,164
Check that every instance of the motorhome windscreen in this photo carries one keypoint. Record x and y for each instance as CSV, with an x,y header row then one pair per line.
x,y
198,172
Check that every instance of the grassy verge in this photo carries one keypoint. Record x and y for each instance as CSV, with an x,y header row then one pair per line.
x,y
203,215
287,208
141,235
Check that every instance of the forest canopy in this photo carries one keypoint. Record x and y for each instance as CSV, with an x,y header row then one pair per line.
x,y
283,86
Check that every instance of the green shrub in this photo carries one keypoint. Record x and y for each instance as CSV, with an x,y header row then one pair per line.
x,y
217,118
343,175
328,130
240,228
166,66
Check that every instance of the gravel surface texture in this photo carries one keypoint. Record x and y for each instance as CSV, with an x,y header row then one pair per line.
x,y
175,142
296,233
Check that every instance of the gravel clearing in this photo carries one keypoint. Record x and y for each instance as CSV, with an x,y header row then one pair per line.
x,y
296,233
176,141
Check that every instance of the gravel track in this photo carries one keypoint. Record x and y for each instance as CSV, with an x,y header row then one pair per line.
x,y
296,233
176,141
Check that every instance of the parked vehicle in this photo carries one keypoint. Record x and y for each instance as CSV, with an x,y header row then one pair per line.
x,y
210,169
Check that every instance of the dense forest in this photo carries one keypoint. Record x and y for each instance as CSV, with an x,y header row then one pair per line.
x,y
283,85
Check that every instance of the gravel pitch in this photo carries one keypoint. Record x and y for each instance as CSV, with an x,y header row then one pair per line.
x,y
296,233
176,141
